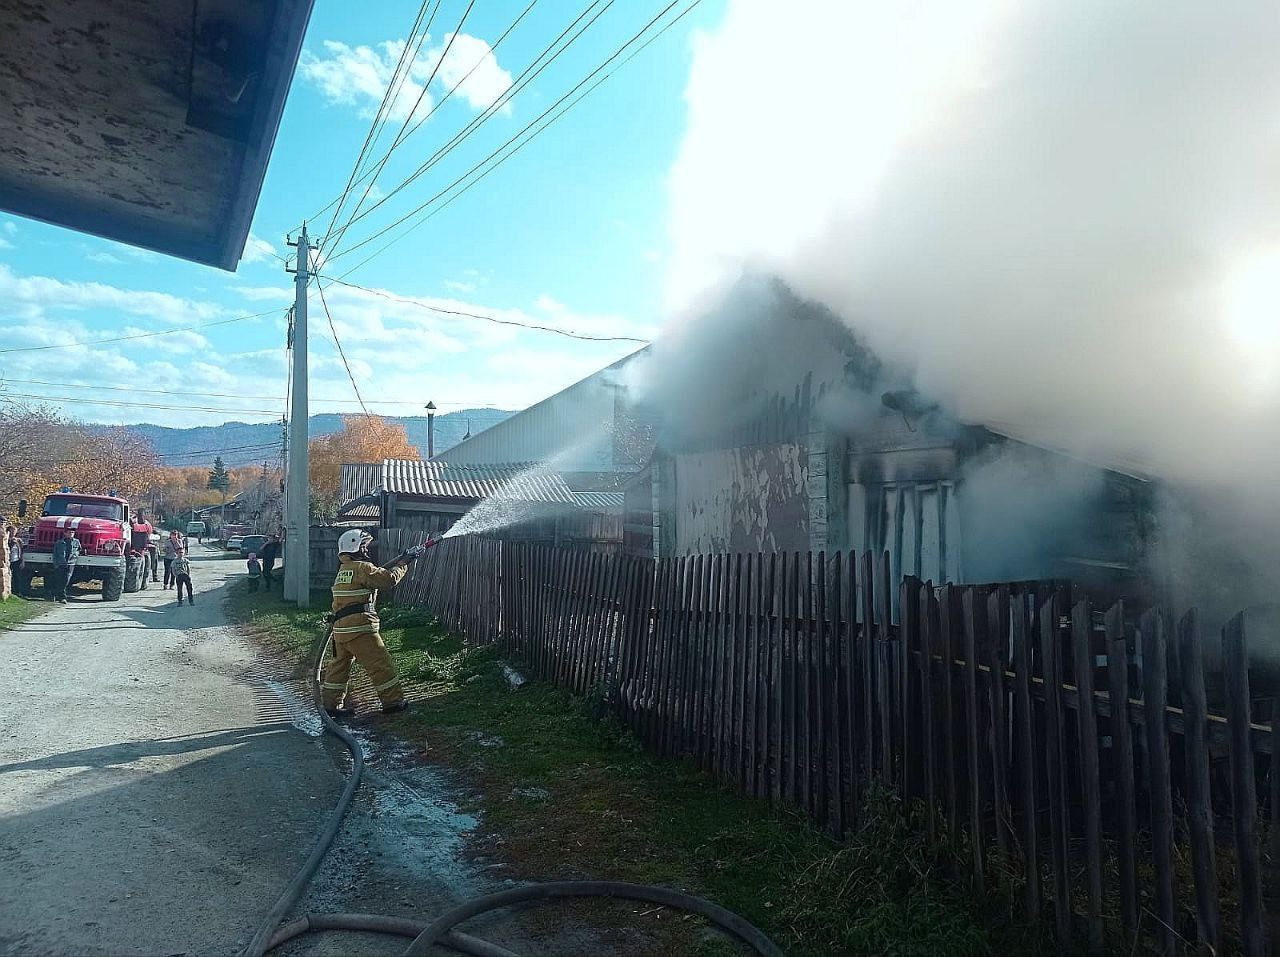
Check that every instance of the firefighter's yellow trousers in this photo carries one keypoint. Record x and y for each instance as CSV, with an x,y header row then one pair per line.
x,y
369,650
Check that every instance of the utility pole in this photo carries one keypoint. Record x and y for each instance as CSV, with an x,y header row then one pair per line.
x,y
297,566
431,430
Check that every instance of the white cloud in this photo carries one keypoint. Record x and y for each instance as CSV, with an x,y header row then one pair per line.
x,y
9,227
453,285
282,294
257,249
41,294
473,59
359,75
105,258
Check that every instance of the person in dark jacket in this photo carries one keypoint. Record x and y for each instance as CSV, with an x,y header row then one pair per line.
x,y
270,552
66,552
171,549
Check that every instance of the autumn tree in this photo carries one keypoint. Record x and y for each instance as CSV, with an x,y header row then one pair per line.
x,y
29,436
181,489
362,438
40,451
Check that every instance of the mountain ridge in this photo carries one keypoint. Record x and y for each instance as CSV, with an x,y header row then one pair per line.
x,y
246,443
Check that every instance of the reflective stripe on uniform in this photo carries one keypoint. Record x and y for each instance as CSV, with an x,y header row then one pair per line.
x,y
386,684
355,629
351,592
331,686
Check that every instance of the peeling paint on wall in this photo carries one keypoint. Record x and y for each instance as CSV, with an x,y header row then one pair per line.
x,y
742,500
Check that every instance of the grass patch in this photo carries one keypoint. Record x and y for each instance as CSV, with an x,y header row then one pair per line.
x,y
565,795
15,609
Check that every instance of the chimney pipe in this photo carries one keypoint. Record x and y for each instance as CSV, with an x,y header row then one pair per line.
x,y
431,430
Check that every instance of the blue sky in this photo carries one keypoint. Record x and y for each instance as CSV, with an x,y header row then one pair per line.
x,y
571,232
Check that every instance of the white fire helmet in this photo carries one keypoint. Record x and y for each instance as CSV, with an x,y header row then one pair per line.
x,y
352,541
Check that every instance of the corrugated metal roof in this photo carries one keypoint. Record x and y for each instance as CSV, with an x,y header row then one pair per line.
x,y
436,479
441,480
362,510
575,427
360,478
600,501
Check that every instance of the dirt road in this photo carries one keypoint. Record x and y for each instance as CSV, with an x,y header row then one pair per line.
x,y
154,794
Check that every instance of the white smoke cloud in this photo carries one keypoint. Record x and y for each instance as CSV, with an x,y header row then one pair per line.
x,y
1064,218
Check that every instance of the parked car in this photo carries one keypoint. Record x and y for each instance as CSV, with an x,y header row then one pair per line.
x,y
252,544
233,543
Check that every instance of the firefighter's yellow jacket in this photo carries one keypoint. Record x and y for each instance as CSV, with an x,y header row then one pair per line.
x,y
357,583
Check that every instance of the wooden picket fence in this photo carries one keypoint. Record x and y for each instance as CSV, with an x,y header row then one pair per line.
x,y
802,679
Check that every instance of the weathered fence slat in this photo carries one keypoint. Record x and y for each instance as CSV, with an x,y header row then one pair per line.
x,y
821,700
1055,772
1199,797
791,694
808,699
1154,671
997,637
974,625
884,672
1273,780
1244,801
837,689
1024,735
866,641
768,702
929,629
948,639
1090,783
908,685
1122,765
777,678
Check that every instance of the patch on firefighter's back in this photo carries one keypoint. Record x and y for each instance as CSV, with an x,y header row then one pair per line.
x,y
345,576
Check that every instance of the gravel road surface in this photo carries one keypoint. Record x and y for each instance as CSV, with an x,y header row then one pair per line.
x,y
154,794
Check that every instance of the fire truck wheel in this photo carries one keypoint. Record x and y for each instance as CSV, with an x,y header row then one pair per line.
x,y
131,568
113,585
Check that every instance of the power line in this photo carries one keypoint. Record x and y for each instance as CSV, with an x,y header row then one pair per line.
x,y
400,136
74,400
476,315
341,353
393,90
223,395
238,448
448,93
140,335
526,76
532,123
439,209
166,455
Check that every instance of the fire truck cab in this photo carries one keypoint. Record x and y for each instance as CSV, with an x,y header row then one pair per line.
x,y
101,523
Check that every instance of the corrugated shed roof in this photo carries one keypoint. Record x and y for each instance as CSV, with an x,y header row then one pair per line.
x,y
363,509
360,478
600,501
575,427
436,479
441,480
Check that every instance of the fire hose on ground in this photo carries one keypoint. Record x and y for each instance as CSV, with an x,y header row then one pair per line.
x,y
272,932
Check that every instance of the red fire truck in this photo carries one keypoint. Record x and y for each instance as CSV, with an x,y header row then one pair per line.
x,y
111,550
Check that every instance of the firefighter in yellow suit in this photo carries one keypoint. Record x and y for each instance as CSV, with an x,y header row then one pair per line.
x,y
355,626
